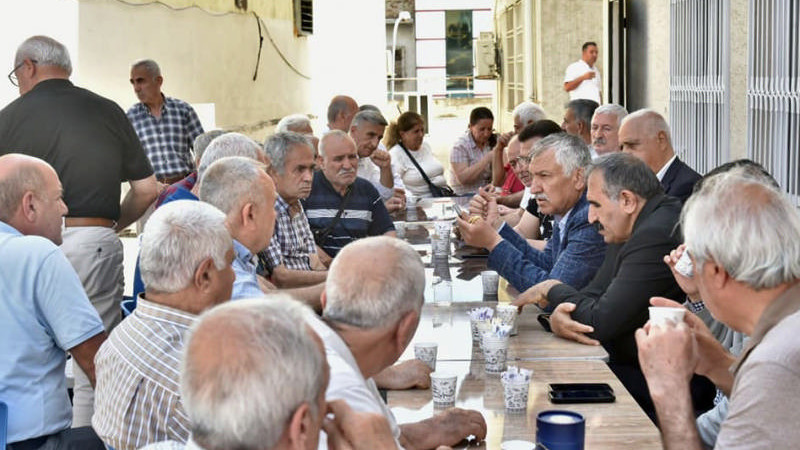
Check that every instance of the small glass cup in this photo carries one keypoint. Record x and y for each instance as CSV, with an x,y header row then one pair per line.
x,y
442,291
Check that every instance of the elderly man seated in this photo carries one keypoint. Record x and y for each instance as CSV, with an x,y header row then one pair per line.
x,y
44,311
503,173
343,207
183,189
186,255
292,255
605,129
575,251
298,123
751,285
638,222
371,309
578,119
375,164
252,378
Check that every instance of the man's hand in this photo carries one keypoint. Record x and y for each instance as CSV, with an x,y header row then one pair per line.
x,y
446,428
503,139
668,356
411,374
394,204
687,284
350,430
536,294
562,324
479,202
589,75
478,233
381,158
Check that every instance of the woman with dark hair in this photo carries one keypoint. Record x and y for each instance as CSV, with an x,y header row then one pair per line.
x,y
471,157
404,139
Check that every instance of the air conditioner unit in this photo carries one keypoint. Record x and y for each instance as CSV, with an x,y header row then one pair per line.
x,y
303,17
485,63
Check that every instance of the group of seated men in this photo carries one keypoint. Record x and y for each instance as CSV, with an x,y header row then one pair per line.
x,y
190,368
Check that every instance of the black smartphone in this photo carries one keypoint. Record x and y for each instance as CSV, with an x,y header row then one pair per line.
x,y
493,140
581,393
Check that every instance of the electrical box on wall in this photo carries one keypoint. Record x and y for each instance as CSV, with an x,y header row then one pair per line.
x,y
485,62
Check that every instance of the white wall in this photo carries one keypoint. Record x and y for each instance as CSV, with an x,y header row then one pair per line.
x,y
20,20
348,51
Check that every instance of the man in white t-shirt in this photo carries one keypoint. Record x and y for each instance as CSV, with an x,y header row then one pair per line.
x,y
582,78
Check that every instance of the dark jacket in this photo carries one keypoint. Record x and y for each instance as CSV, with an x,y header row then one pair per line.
x,y
679,180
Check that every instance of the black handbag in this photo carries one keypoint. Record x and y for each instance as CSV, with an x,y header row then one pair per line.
x,y
436,191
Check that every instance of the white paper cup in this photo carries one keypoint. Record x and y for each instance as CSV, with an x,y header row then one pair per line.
x,y
515,395
426,352
507,314
495,352
440,246
660,314
443,228
443,388
490,278
482,326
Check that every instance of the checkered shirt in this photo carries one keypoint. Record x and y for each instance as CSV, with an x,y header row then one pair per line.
x,y
168,140
186,184
465,150
292,243
137,398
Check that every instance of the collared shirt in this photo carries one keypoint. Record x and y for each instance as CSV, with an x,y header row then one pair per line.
x,y
292,243
663,171
465,150
364,214
173,445
244,267
137,397
588,89
180,190
44,312
346,381
369,171
167,140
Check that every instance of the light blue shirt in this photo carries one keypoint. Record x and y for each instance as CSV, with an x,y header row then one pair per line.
x,y
44,311
246,283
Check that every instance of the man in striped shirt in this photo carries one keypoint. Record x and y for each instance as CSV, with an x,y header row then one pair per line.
x,y
185,260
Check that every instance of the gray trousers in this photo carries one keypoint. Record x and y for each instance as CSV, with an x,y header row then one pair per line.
x,y
96,255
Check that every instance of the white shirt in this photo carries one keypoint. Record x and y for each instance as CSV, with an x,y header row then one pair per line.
x,y
413,181
663,171
588,89
346,382
526,197
372,173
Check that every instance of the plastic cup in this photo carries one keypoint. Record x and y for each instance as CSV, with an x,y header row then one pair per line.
x,y
515,394
443,388
426,352
442,291
495,352
482,326
490,279
443,228
441,246
660,314
507,314
400,229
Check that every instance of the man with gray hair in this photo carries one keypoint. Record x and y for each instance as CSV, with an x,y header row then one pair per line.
x,y
166,126
578,119
298,123
253,379
292,257
183,189
44,311
186,255
645,134
638,222
605,128
750,285
371,309
374,164
575,251
242,190
526,113
93,148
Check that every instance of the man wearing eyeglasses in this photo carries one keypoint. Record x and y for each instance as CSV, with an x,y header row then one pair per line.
x,y
92,146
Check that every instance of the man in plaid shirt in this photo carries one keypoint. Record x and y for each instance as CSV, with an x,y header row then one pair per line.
x,y
292,254
166,126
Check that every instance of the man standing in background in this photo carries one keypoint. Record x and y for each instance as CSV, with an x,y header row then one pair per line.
x,y
582,79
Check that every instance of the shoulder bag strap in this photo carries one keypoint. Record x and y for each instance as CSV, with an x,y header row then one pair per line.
x,y
416,164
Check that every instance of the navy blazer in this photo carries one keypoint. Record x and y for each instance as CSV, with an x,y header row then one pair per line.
x,y
679,180
573,260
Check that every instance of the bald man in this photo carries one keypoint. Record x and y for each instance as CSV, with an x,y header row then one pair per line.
x,y
646,135
341,111
44,310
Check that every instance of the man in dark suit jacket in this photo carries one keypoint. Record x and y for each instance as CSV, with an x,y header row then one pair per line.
x,y
575,251
638,222
646,135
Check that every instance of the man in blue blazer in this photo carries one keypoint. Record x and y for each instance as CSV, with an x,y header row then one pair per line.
x,y
646,135
575,251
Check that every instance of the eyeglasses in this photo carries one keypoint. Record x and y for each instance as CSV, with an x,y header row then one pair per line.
x,y
521,161
12,76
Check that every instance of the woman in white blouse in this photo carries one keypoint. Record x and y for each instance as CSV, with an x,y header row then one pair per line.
x,y
407,132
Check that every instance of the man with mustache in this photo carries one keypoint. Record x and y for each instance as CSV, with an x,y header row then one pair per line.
x,y
605,129
575,250
292,255
343,207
